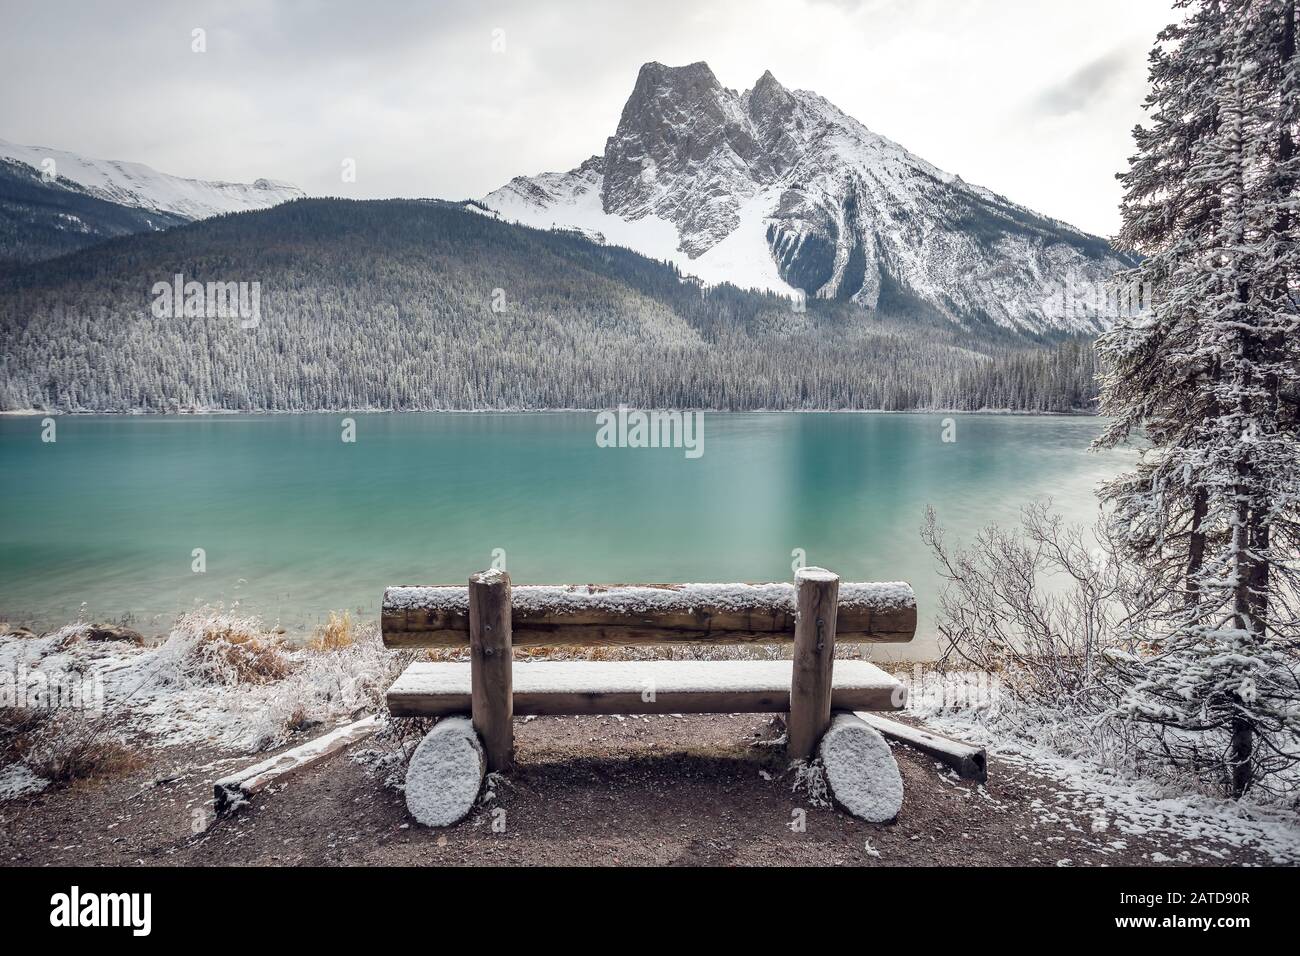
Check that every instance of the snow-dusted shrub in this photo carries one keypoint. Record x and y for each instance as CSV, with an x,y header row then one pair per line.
x,y
1040,609
218,677
65,746
1074,632
70,633
327,685
215,647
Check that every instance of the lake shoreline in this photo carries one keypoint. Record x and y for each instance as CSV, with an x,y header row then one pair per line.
x,y
217,412
288,516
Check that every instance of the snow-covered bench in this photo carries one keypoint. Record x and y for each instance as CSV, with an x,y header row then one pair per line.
x,y
491,618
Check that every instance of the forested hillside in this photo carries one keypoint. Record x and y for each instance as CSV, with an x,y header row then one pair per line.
x,y
390,305
39,219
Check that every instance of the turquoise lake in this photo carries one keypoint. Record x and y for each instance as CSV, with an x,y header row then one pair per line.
x,y
293,521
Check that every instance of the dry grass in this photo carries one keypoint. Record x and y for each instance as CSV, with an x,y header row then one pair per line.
x,y
235,651
65,747
15,723
335,634
299,720
254,657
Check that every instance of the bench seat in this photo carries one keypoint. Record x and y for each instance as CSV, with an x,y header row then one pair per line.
x,y
429,689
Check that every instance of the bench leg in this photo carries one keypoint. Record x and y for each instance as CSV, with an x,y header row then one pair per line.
x,y
814,656
491,659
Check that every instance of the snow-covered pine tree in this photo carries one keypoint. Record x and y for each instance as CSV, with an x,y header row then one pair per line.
x,y
1204,373
1149,363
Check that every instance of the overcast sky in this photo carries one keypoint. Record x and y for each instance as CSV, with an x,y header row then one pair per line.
x,y
1035,99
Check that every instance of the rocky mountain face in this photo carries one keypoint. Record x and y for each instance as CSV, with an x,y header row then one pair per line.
x,y
778,189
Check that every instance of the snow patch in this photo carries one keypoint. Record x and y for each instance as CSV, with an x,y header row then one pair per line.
x,y
17,780
742,258
1124,804
134,184
172,695
424,679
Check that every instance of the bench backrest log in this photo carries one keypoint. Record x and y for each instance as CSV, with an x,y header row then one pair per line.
x,y
591,614
492,618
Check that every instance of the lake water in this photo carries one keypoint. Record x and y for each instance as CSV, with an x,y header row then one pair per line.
x,y
293,521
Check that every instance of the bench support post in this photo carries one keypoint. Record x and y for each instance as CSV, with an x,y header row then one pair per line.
x,y
817,599
491,660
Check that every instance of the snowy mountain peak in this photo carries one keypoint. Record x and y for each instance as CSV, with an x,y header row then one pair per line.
x,y
685,151
142,187
781,190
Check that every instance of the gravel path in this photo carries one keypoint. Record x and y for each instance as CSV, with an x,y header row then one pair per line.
x,y
691,790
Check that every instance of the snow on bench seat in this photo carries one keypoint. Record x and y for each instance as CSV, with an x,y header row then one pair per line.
x,y
427,689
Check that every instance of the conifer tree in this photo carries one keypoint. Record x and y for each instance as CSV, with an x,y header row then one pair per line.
x,y
1203,373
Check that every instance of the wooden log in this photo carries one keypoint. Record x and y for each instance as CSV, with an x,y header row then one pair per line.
x,y
814,658
491,661
445,773
970,763
860,769
237,789
619,615
542,688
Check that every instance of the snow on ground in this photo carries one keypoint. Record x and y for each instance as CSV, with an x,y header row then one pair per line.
x,y
184,691
16,781
187,690
1121,805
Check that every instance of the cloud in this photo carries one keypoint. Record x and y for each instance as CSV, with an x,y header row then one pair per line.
x,y
1090,83
419,96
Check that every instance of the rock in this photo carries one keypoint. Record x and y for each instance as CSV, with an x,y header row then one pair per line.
x,y
113,632
15,630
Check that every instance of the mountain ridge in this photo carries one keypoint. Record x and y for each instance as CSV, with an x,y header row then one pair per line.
x,y
143,187
42,219
781,190
419,304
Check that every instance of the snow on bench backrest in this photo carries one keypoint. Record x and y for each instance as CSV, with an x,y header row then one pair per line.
x,y
647,614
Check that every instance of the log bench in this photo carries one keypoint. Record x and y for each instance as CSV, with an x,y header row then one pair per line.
x,y
490,619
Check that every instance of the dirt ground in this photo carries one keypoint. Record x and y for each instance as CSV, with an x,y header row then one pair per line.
x,y
660,791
